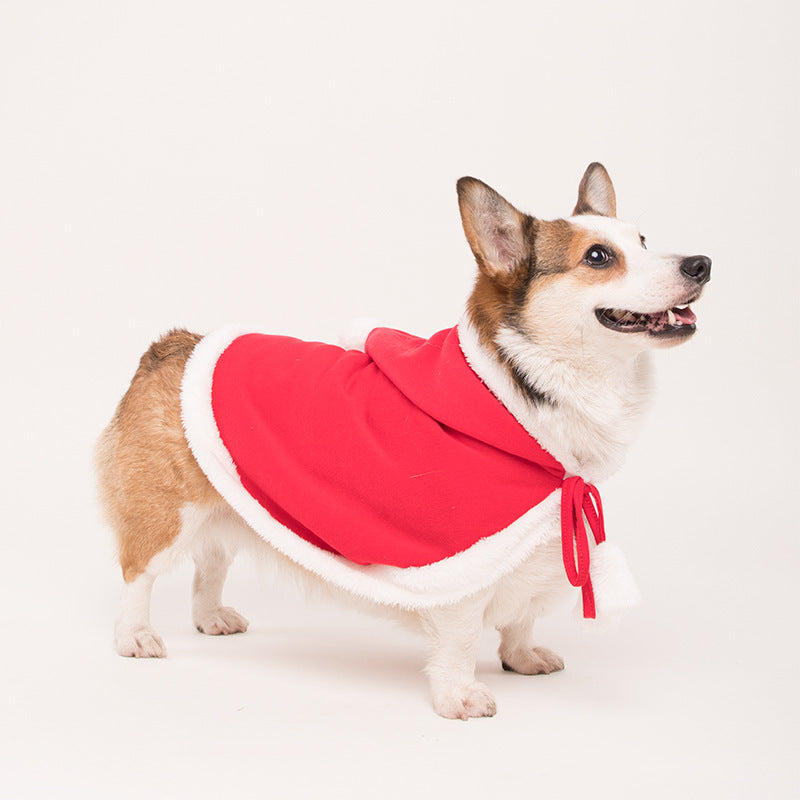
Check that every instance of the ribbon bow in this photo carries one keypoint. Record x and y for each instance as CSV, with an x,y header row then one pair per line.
x,y
579,499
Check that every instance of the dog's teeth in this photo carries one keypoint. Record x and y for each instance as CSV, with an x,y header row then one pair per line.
x,y
670,317
626,316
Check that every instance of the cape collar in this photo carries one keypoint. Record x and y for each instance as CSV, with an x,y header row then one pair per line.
x,y
435,375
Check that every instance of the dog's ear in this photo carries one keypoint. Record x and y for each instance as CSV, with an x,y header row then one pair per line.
x,y
596,193
495,230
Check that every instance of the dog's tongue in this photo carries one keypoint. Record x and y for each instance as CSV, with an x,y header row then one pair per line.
x,y
685,315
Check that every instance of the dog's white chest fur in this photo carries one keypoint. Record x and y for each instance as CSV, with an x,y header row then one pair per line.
x,y
596,408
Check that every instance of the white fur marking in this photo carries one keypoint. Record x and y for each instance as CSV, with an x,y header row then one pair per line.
x,y
596,410
133,635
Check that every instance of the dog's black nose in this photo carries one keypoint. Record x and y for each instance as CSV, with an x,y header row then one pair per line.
x,y
698,268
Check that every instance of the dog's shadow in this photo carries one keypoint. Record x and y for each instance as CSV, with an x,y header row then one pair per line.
x,y
391,657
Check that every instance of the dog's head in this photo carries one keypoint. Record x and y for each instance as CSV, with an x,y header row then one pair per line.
x,y
586,281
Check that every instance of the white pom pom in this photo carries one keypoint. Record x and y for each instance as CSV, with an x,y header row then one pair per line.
x,y
615,589
354,337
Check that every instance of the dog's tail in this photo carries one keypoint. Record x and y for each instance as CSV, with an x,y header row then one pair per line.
x,y
171,350
177,344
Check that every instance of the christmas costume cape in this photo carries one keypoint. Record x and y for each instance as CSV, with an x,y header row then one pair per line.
x,y
393,472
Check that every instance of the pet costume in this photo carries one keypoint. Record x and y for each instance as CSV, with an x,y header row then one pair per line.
x,y
392,472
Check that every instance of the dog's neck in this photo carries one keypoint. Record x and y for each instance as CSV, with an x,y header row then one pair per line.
x,y
584,411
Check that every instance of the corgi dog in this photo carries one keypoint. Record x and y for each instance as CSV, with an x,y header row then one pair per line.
x,y
473,453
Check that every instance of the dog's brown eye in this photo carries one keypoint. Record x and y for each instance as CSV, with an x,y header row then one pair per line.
x,y
597,256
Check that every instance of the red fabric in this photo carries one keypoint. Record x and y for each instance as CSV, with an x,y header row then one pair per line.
x,y
397,456
579,499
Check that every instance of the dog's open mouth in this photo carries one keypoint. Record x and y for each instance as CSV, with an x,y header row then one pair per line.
x,y
679,320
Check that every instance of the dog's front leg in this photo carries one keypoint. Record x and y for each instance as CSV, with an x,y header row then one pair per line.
x,y
454,634
518,652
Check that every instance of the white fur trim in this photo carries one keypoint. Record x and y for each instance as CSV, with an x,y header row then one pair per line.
x,y
493,375
441,583
615,589
354,336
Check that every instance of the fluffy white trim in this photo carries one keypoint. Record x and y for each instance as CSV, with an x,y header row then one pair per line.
x,y
441,583
492,374
354,336
615,589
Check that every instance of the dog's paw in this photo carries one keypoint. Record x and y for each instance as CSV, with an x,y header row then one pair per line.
x,y
473,700
139,643
532,661
221,621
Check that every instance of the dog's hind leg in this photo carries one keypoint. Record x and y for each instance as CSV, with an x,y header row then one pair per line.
x,y
150,485
213,555
454,633
133,634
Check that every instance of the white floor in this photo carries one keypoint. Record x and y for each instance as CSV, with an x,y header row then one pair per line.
x,y
321,702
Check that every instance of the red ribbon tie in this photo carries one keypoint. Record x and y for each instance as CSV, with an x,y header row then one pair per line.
x,y
579,499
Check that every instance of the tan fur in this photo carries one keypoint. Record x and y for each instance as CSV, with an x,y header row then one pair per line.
x,y
548,253
146,471
553,253
561,247
579,243
555,247
487,307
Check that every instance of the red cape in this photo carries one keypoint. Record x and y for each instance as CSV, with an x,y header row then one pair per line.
x,y
398,456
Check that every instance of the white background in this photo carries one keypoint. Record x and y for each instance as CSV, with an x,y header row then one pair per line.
x,y
293,165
